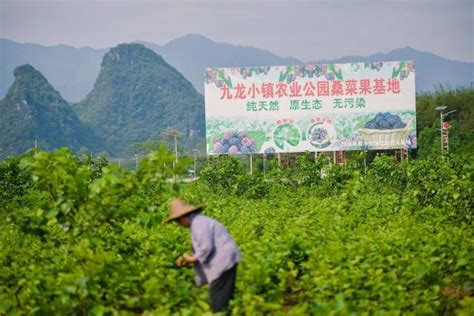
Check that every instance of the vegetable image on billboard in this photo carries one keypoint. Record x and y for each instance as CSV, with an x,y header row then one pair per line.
x,y
286,135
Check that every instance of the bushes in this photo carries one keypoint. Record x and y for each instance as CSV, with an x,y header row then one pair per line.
x,y
229,176
13,180
393,238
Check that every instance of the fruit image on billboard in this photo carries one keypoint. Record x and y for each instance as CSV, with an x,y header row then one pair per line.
x,y
334,107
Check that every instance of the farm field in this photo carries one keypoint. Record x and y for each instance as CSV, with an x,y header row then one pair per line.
x,y
80,236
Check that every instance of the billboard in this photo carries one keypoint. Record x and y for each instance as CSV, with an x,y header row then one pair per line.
x,y
332,107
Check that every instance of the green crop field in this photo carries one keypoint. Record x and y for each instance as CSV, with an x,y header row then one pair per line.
x,y
84,237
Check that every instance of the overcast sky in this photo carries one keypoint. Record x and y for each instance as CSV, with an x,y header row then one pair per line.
x,y
308,30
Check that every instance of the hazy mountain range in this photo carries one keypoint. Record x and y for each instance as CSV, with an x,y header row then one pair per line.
x,y
72,71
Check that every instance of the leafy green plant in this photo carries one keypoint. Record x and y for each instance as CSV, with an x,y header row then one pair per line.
x,y
14,181
389,238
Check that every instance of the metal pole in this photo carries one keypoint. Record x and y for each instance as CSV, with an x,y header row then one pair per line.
x,y
195,162
264,165
251,165
447,143
136,162
441,129
176,148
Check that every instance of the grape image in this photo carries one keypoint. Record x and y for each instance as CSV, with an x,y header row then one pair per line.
x,y
245,150
242,135
225,149
246,141
234,142
228,134
218,147
385,121
233,150
319,136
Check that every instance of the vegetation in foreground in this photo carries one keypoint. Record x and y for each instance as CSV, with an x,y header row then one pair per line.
x,y
79,236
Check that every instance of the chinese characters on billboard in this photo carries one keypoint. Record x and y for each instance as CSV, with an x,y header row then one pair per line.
x,y
333,107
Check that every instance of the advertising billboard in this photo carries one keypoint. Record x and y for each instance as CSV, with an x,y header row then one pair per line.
x,y
332,107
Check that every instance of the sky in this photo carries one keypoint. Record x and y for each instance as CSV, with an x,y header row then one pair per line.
x,y
308,30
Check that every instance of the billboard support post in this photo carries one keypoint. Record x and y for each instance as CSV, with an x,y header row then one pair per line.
x,y
264,165
251,165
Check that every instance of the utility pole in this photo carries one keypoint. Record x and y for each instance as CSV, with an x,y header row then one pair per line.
x,y
170,132
444,129
441,108
175,148
195,163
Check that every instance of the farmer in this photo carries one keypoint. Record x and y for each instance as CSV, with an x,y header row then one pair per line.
x,y
215,254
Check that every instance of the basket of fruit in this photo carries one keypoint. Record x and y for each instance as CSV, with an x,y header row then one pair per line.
x,y
386,130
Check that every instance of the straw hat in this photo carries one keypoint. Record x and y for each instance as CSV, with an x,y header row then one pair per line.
x,y
180,208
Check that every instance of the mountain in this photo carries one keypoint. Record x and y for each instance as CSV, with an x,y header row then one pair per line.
x,y
71,70
136,96
192,53
33,110
431,70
